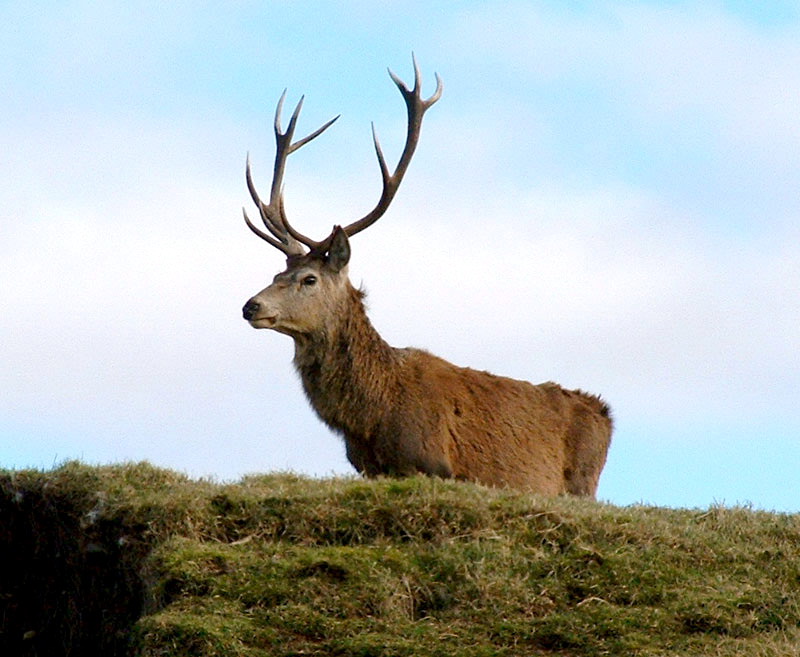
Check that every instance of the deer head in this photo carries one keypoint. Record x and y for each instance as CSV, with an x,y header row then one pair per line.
x,y
310,287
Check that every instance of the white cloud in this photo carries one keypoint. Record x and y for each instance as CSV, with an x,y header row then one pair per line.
x,y
680,73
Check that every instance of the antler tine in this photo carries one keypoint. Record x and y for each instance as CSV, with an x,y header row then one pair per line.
x,y
283,145
271,219
276,230
416,107
267,238
313,135
286,238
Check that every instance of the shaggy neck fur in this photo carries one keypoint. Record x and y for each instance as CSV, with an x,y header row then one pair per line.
x,y
348,371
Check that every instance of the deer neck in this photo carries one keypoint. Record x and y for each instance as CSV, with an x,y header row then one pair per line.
x,y
348,371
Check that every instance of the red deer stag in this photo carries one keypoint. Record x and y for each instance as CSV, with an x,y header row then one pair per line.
x,y
405,411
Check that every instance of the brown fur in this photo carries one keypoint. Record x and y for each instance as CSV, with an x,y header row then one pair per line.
x,y
406,411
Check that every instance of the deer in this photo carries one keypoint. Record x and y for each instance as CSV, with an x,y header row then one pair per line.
x,y
405,411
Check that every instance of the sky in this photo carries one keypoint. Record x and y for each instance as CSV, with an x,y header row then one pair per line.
x,y
606,196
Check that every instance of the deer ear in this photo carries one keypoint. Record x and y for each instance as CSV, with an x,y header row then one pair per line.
x,y
339,251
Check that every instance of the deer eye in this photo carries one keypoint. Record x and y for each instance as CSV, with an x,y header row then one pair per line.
x,y
310,280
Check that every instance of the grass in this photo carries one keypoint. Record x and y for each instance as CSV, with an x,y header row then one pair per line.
x,y
155,564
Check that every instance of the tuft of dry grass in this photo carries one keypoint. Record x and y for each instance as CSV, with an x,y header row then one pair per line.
x,y
285,565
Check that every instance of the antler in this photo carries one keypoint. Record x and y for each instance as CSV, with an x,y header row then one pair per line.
x,y
274,215
417,107
284,236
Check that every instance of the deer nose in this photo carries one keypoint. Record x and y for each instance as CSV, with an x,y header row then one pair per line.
x,y
250,309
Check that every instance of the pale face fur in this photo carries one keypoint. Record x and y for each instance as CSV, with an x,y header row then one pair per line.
x,y
307,295
299,299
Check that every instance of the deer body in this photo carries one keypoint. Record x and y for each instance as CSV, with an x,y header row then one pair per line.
x,y
406,411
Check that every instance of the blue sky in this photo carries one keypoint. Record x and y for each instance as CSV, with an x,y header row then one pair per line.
x,y
606,196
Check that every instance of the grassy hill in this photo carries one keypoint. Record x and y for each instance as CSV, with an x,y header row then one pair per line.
x,y
134,560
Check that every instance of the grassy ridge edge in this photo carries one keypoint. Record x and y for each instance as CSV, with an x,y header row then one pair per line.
x,y
285,565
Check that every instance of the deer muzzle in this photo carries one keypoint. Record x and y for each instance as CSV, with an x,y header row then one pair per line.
x,y
254,311
250,309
